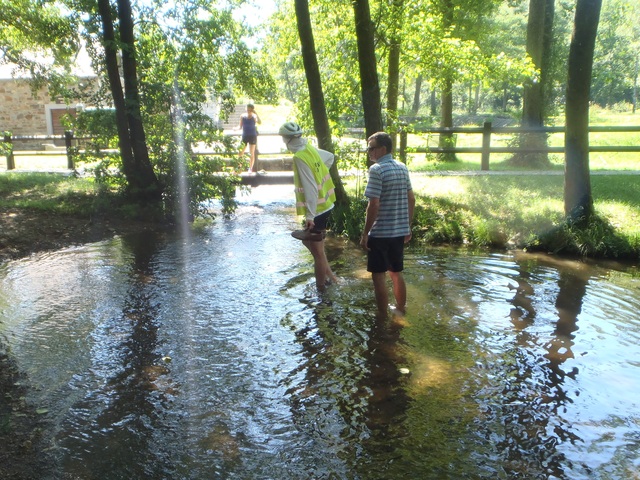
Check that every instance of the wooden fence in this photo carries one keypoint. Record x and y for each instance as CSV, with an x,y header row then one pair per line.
x,y
487,130
485,150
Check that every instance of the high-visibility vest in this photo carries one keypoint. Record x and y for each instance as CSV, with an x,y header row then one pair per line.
x,y
326,188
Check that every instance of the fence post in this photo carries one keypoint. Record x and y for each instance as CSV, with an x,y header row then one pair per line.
x,y
403,145
68,136
11,160
486,146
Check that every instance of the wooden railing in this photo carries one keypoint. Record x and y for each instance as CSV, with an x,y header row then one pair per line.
x,y
71,148
487,130
68,139
485,150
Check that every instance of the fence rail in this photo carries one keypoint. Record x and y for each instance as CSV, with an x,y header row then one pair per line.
x,y
487,130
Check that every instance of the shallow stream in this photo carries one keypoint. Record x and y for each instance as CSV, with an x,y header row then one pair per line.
x,y
212,356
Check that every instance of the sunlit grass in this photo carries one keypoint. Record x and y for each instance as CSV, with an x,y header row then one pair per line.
x,y
50,192
516,210
497,162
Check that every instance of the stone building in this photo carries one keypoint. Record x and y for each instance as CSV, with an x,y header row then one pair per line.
x,y
24,112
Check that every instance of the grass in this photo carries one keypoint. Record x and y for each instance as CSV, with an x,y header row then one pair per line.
x,y
54,193
500,211
498,162
527,211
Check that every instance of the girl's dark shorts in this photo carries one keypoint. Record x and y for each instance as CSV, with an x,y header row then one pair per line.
x,y
385,254
320,222
250,139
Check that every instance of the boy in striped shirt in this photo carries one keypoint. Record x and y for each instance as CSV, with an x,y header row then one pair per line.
x,y
388,221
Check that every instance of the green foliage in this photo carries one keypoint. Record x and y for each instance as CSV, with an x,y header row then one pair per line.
x,y
190,54
202,178
348,220
336,51
6,148
106,168
41,40
522,211
617,53
594,237
100,125
350,156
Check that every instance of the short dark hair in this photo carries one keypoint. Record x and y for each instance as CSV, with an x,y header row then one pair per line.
x,y
382,139
250,105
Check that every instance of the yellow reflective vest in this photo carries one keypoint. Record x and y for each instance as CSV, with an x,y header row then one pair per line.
x,y
326,189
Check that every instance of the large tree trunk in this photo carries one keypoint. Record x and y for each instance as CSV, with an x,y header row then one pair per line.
x,y
533,111
145,184
533,104
111,61
546,77
393,72
578,202
447,139
368,68
316,95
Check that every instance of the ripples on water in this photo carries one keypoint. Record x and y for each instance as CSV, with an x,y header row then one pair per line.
x,y
213,357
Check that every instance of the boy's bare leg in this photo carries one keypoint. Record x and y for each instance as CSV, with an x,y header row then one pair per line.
x,y
380,290
399,290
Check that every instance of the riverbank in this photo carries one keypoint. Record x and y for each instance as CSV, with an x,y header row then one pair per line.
x,y
25,232
521,210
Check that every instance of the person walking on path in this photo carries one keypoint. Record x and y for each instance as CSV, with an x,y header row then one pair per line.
x,y
387,227
315,197
249,122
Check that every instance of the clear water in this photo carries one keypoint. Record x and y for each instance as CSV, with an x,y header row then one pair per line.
x,y
212,357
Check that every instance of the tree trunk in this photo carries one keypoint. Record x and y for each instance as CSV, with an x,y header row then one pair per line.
x,y
392,89
433,102
635,87
447,139
415,107
145,184
393,72
533,111
547,56
111,61
368,68
578,202
316,95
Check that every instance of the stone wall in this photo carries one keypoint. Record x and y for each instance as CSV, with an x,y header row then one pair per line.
x,y
22,113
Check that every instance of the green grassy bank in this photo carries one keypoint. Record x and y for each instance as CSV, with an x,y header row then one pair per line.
x,y
499,211
521,211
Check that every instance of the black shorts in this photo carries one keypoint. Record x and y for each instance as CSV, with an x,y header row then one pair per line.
x,y
250,139
385,254
320,222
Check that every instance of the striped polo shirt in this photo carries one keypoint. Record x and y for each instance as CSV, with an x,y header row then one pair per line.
x,y
389,181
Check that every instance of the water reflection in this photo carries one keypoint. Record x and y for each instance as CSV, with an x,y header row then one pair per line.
x,y
214,357
115,424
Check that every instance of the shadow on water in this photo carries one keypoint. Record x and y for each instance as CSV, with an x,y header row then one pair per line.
x,y
120,438
212,356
